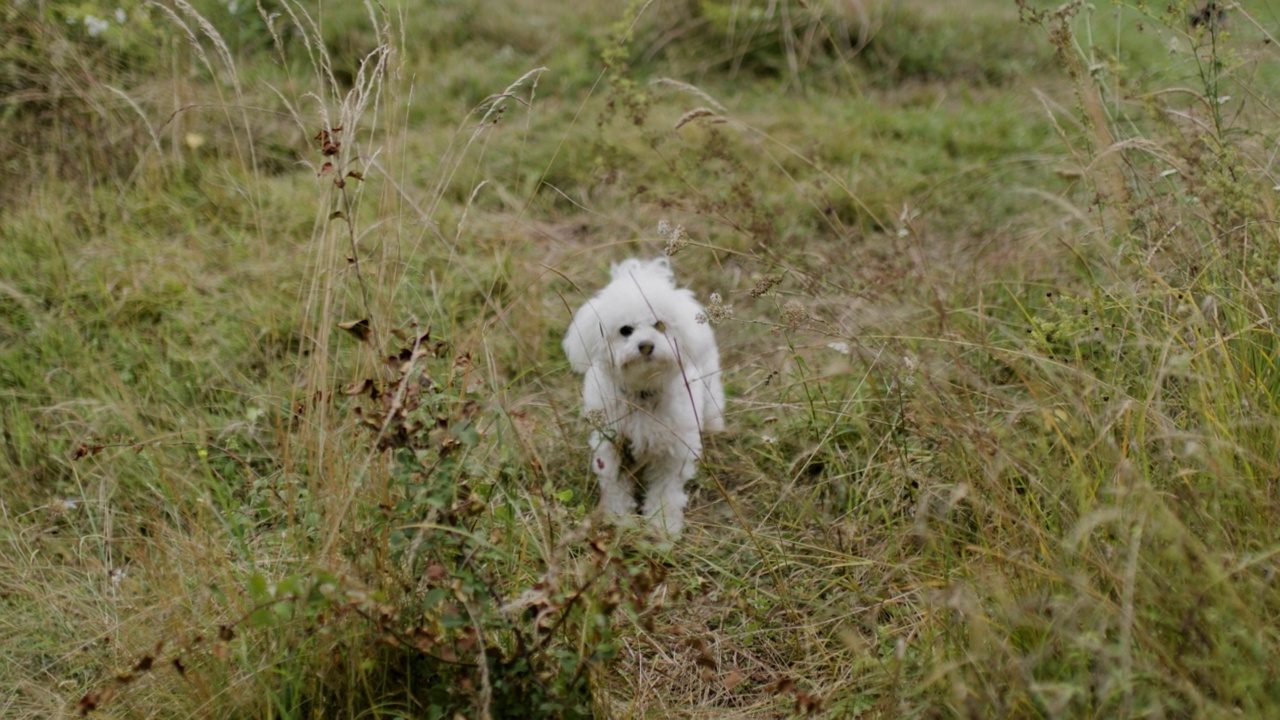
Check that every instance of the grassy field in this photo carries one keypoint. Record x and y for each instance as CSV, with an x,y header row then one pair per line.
x,y
286,430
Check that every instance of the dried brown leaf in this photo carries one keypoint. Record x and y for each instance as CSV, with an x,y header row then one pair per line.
x,y
782,686
93,700
705,658
358,328
808,704
732,680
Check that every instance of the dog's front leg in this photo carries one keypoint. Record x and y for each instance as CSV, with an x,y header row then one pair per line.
x,y
665,499
617,491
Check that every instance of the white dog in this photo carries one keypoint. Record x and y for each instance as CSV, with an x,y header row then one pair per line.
x,y
652,386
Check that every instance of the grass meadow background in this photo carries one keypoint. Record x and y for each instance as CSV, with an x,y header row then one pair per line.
x,y
286,430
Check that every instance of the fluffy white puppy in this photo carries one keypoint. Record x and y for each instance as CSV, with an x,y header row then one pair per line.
x,y
652,386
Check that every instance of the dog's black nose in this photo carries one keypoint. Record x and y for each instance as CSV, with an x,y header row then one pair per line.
x,y
646,348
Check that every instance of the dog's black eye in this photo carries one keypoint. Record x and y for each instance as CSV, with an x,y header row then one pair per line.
x,y
660,326
626,330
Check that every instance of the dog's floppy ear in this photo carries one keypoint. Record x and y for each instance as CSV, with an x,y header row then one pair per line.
x,y
584,335
659,267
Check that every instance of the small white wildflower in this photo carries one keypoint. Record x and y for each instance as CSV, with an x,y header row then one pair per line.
x,y
95,25
794,314
676,236
66,505
597,419
904,220
768,439
911,364
840,347
121,16
716,311
1170,171
116,575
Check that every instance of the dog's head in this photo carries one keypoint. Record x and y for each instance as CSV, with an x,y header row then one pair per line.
x,y
636,328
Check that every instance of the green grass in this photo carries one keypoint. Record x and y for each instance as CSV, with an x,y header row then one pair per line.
x,y
1002,359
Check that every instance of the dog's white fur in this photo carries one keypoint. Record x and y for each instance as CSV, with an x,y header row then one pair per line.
x,y
652,383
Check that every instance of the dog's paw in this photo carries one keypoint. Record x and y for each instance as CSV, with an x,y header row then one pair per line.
x,y
616,497
617,504
666,521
